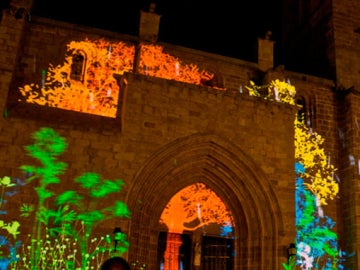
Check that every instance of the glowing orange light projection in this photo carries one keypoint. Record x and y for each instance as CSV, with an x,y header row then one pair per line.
x,y
192,208
90,88
85,82
154,62
195,207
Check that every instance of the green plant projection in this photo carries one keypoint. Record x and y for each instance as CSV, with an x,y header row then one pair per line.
x,y
64,222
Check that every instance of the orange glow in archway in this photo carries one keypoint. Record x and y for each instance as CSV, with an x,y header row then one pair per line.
x,y
196,207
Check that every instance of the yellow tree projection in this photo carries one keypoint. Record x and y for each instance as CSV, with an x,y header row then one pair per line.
x,y
94,89
316,243
319,174
192,208
276,90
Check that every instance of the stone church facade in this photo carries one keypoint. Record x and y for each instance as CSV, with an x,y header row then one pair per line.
x,y
168,135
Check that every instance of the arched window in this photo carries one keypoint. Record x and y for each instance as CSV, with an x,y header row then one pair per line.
x,y
311,112
300,102
78,66
306,112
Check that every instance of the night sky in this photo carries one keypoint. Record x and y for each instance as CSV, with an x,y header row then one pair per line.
x,y
227,27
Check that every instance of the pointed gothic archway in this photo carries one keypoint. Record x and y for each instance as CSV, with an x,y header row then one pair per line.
x,y
198,231
235,178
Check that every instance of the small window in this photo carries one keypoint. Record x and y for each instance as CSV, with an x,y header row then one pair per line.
x,y
78,66
307,110
300,101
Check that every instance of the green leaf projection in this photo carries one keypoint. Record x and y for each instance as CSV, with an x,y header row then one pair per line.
x,y
62,235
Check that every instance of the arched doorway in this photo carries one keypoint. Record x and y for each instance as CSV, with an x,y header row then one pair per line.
x,y
199,231
225,169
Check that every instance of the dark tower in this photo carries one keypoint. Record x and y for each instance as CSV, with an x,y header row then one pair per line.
x,y
323,38
307,37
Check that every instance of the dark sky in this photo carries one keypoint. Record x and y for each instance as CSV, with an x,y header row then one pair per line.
x,y
224,27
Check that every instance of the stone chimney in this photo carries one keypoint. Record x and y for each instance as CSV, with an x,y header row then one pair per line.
x,y
149,24
266,52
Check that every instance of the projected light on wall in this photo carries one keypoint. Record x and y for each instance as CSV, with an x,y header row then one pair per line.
x,y
85,81
316,184
60,225
196,209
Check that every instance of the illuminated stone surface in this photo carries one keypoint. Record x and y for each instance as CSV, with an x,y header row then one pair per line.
x,y
168,135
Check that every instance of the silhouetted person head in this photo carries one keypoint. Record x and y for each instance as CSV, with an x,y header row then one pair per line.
x,y
115,263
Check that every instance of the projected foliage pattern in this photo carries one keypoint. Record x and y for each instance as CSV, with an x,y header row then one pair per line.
x,y
192,208
317,244
9,243
97,91
63,223
195,207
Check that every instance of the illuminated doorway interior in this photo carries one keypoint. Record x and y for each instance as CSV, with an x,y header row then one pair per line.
x,y
198,231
